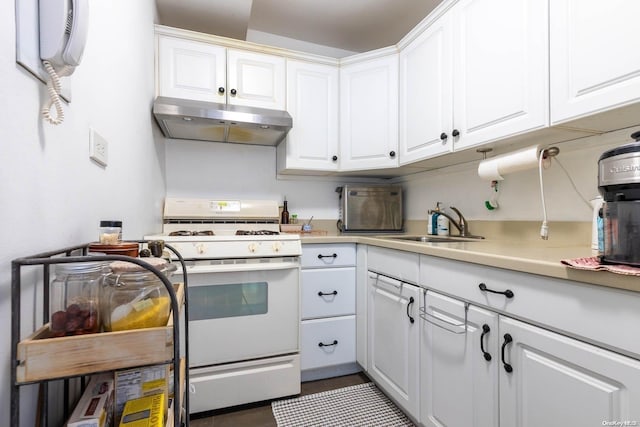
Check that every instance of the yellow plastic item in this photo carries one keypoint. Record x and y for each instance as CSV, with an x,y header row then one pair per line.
x,y
149,313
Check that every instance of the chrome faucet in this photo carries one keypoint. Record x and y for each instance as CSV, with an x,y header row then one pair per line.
x,y
461,224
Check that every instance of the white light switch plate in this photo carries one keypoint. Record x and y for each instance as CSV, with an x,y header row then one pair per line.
x,y
99,148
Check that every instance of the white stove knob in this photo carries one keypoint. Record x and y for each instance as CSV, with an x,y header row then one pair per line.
x,y
252,247
201,248
277,246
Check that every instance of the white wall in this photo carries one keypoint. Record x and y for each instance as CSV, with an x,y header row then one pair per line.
x,y
52,195
204,169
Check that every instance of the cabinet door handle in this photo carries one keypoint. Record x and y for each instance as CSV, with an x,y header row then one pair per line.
x,y
392,154
321,344
233,91
221,89
485,330
508,293
443,136
320,256
322,294
334,158
455,133
507,339
411,301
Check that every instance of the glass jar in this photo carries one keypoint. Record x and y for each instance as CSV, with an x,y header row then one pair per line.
x,y
110,232
134,297
75,298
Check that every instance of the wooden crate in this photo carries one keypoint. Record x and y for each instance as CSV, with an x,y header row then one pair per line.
x,y
41,357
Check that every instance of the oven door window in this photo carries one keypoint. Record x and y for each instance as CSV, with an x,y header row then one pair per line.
x,y
229,300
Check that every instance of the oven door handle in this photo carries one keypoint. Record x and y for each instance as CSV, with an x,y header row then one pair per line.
x,y
232,268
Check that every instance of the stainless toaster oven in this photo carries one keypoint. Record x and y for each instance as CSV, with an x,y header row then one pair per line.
x,y
370,208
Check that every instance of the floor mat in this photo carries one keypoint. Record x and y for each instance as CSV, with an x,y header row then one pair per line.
x,y
354,406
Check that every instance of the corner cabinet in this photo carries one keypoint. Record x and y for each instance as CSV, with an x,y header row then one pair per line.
x,y
594,70
393,326
369,111
312,101
192,69
426,93
35,359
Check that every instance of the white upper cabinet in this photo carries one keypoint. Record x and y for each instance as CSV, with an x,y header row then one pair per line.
x,y
369,113
191,70
500,69
312,101
426,94
255,79
595,59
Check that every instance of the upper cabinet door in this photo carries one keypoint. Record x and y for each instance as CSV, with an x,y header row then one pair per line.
x,y
255,79
312,101
426,94
500,69
595,56
369,114
191,70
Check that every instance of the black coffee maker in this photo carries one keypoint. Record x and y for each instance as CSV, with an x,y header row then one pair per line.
x,y
619,184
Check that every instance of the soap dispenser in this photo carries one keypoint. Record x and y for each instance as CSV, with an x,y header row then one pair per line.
x,y
432,220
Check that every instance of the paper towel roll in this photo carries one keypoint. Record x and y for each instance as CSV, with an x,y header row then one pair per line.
x,y
494,169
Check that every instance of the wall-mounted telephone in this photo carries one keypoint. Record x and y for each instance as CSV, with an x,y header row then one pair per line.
x,y
63,34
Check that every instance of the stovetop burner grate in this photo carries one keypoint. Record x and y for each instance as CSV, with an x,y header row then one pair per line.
x,y
256,233
192,233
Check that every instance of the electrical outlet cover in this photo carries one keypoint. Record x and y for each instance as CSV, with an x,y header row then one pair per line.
x,y
99,148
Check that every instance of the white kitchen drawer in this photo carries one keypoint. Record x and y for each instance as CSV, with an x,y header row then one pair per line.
x,y
397,264
603,316
338,339
328,255
338,283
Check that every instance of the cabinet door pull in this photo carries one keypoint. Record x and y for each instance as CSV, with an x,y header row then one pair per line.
x,y
233,92
485,330
320,256
392,154
221,89
508,293
334,158
411,301
507,340
455,133
321,344
443,136
322,294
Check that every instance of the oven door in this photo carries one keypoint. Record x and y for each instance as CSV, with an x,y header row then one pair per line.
x,y
245,310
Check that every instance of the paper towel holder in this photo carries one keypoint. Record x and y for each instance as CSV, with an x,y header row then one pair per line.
x,y
484,152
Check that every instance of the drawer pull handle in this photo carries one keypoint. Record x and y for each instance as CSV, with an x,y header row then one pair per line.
x,y
321,344
411,301
322,294
508,293
485,330
320,256
507,340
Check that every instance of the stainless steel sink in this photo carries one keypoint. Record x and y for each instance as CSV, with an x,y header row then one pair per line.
x,y
435,239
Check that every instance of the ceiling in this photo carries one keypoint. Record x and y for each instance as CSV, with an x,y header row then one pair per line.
x,y
351,25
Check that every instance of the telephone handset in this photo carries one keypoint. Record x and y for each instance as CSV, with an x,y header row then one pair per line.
x,y
63,34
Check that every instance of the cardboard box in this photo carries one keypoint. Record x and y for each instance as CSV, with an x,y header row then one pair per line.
x,y
144,412
95,407
140,382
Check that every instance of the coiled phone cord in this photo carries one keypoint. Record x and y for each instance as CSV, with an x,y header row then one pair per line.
x,y
53,88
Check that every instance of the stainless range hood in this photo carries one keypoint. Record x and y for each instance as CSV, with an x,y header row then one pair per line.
x,y
210,121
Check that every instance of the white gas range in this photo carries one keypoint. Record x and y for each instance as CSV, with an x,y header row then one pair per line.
x,y
243,299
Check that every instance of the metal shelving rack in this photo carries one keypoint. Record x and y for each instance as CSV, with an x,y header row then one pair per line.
x,y
79,254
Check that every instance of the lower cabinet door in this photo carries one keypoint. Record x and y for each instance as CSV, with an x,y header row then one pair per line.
x,y
393,324
328,342
458,363
547,379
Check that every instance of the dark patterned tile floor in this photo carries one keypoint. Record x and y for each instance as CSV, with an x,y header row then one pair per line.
x,y
260,415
